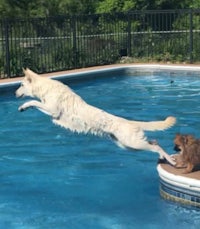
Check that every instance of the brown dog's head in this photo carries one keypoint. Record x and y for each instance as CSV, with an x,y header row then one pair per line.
x,y
181,141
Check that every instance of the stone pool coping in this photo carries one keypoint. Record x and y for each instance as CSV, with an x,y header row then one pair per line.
x,y
139,67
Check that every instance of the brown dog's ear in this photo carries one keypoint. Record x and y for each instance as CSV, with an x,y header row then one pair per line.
x,y
190,139
185,139
190,136
178,136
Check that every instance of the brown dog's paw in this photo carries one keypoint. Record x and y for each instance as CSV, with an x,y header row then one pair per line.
x,y
185,171
180,166
189,168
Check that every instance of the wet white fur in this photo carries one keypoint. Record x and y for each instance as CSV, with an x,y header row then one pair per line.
x,y
70,111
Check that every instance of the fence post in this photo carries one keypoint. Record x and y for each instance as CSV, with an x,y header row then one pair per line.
x,y
191,36
73,22
7,46
129,36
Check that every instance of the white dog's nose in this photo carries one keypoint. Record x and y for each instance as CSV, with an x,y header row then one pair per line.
x,y
16,94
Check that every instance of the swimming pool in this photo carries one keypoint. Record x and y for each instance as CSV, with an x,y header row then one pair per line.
x,y
52,178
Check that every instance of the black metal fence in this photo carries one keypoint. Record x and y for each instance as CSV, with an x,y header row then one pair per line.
x,y
68,42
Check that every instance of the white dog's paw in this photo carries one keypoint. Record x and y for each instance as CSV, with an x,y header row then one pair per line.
x,y
173,157
171,160
22,108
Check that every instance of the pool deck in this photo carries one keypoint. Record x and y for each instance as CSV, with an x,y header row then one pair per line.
x,y
68,72
166,167
114,66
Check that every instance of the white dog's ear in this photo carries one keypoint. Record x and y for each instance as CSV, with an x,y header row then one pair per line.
x,y
25,71
29,75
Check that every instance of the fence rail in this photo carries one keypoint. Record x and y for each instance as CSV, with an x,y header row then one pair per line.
x,y
66,42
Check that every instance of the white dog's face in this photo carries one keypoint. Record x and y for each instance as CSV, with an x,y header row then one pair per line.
x,y
25,88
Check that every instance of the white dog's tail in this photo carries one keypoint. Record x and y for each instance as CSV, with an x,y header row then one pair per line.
x,y
156,125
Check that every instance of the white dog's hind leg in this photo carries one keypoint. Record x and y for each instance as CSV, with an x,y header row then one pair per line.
x,y
34,103
152,146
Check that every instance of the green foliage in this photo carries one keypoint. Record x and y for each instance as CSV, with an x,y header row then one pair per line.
x,y
111,6
194,4
43,8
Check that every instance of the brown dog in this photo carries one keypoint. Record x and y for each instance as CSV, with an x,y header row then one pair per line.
x,y
189,148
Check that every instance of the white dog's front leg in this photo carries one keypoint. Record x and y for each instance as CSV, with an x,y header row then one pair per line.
x,y
36,104
163,154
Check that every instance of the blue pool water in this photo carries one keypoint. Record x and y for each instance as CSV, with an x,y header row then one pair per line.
x,y
51,178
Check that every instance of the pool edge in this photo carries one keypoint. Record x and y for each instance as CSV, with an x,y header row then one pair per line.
x,y
147,67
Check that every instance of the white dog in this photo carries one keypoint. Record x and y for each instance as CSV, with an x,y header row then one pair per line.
x,y
70,111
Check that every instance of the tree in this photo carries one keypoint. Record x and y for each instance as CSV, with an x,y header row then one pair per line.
x,y
17,8
79,6
194,4
111,6
43,8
